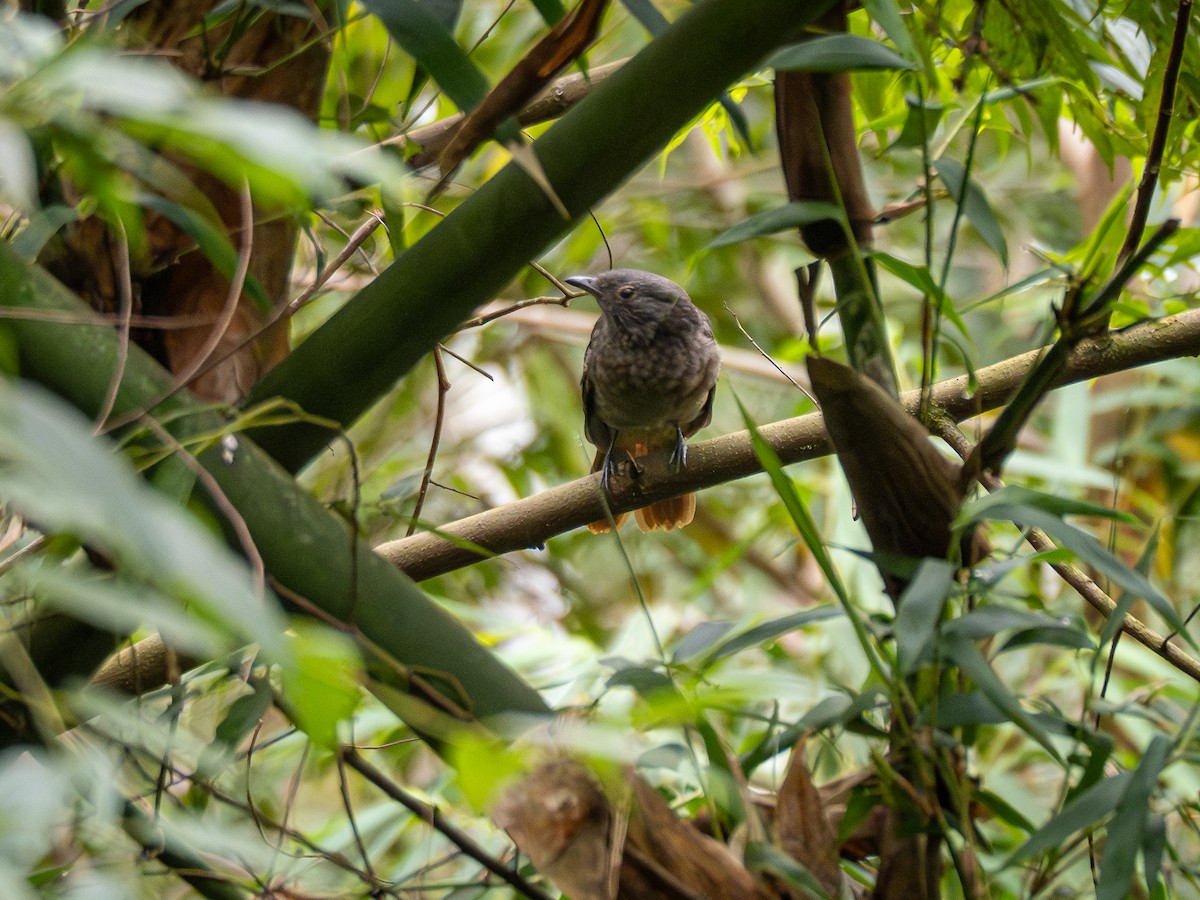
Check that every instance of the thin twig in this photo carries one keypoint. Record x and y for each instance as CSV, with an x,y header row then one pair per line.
x,y
227,509
217,334
484,319
124,313
765,355
436,820
466,362
443,387
532,521
353,243
1158,140
348,805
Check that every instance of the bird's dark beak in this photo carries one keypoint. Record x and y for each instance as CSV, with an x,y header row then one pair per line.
x,y
583,282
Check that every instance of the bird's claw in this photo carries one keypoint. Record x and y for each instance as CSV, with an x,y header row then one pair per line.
x,y
678,458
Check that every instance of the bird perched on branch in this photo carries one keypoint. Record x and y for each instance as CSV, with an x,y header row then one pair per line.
x,y
649,375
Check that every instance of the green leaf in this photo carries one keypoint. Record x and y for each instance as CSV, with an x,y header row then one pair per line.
x,y
973,708
700,639
1014,494
919,611
60,476
427,40
919,277
842,52
241,718
793,215
1059,635
1003,810
1153,845
122,606
888,16
647,682
550,10
919,123
968,658
321,684
991,619
1030,508
1127,830
768,631
765,857
42,226
974,204
1084,812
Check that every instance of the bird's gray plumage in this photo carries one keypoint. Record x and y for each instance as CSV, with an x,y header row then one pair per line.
x,y
650,369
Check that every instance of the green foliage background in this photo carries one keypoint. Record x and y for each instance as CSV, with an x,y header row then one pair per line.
x,y
676,652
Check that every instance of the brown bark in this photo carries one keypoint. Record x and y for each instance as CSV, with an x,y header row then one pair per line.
x,y
818,147
251,55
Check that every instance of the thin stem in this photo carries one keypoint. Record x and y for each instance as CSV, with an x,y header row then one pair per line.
x,y
443,387
436,820
1158,140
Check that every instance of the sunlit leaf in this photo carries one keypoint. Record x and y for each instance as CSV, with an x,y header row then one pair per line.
x,y
57,474
321,684
887,13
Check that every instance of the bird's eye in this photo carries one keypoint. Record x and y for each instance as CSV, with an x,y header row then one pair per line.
x,y
626,292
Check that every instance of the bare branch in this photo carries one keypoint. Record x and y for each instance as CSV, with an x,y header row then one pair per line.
x,y
530,522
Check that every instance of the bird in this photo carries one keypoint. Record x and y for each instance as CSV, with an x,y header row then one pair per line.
x,y
649,377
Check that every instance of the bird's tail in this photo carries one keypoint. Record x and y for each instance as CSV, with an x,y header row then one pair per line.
x,y
663,515
674,512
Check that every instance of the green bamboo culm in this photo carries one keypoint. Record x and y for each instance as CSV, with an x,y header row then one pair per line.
x,y
389,326
305,548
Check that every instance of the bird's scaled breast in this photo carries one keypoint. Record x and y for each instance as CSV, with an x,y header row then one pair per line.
x,y
654,387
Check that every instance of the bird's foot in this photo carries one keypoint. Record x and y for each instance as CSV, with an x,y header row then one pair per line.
x,y
678,458
612,468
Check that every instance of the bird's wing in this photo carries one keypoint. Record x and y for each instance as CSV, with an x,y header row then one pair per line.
x,y
596,430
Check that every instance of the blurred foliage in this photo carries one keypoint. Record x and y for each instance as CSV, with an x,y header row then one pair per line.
x,y
733,635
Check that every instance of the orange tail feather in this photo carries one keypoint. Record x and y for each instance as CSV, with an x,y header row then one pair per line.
x,y
674,512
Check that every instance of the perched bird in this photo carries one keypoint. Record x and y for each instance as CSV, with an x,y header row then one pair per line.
x,y
649,375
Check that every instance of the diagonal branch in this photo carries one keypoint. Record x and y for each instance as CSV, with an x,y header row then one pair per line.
x,y
532,521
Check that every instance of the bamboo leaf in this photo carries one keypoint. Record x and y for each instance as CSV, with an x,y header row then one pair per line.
x,y
700,639
1127,831
975,205
425,38
793,215
968,658
768,631
211,241
842,52
1030,508
919,611
1082,813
